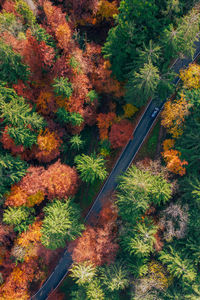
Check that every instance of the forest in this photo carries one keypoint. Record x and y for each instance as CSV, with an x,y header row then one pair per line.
x,y
75,79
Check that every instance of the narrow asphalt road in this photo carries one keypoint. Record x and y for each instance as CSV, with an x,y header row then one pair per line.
x,y
145,124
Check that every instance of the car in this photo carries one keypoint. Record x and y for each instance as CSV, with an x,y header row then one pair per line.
x,y
155,112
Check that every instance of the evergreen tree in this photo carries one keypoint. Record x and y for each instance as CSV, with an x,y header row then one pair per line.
x,y
19,217
61,223
94,291
23,123
12,68
12,169
62,87
76,143
115,276
142,85
150,53
63,116
91,168
140,239
83,273
178,267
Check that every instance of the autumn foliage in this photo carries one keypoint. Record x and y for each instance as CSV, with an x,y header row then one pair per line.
x,y
191,76
98,242
104,121
174,163
120,133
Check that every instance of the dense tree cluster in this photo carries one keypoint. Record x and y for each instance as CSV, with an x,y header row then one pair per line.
x,y
69,101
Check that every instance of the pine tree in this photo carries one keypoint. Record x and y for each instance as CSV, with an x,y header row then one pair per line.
x,y
12,169
115,276
12,68
178,267
91,168
140,240
76,143
142,84
83,273
19,217
61,223
63,116
150,53
62,87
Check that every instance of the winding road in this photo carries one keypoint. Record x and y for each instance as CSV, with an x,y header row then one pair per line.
x,y
144,126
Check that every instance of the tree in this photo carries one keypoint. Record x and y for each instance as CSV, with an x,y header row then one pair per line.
x,y
104,121
142,84
140,240
12,68
115,276
178,267
191,76
48,146
63,116
137,189
12,169
173,116
150,53
94,291
174,163
99,242
76,143
63,35
120,133
180,41
60,181
62,87
19,217
25,12
61,223
91,167
23,123
83,273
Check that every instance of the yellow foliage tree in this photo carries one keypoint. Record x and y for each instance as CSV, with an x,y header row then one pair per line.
x,y
173,116
129,110
106,10
191,76
63,35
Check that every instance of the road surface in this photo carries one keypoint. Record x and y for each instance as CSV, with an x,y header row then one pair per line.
x,y
144,125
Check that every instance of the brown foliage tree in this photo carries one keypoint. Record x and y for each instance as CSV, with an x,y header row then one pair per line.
x,y
120,133
98,242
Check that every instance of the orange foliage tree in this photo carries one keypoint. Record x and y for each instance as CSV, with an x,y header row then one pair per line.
x,y
61,181
104,121
174,164
63,35
174,114
29,191
106,10
98,242
48,146
120,133
46,103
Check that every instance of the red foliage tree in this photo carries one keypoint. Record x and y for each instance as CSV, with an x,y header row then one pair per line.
x,y
120,133
61,181
37,55
98,242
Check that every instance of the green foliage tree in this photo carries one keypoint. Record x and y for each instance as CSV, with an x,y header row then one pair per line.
x,y
62,87
92,95
115,276
76,143
137,189
26,13
91,167
24,123
150,53
180,40
12,68
83,273
142,85
178,267
9,22
41,35
94,291
12,169
64,116
19,217
61,223
140,239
